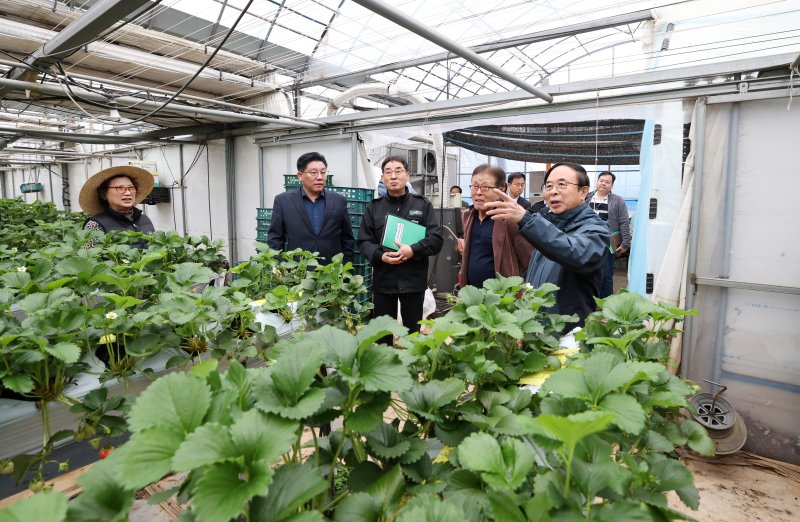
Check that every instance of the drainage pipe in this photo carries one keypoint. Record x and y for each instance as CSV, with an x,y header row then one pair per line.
x,y
366,89
193,111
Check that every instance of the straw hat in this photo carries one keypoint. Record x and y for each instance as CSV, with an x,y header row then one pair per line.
x,y
90,201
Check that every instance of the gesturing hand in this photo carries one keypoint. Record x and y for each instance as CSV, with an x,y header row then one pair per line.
x,y
507,208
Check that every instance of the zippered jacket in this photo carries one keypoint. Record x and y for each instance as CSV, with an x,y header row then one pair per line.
x,y
570,251
412,275
618,220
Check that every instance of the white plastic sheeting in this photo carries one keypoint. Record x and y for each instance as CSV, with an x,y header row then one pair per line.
x,y
747,339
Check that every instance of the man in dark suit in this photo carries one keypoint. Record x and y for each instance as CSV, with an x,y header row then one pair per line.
x,y
311,217
516,186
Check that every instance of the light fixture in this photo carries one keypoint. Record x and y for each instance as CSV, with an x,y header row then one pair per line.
x,y
114,114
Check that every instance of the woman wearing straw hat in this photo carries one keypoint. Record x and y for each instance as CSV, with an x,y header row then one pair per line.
x,y
111,195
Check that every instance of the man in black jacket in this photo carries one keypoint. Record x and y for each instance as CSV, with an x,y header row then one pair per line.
x,y
311,217
400,274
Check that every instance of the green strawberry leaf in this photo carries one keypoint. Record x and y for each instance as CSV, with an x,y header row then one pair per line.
x,y
605,373
567,382
387,443
570,430
19,383
48,505
66,352
148,455
261,437
206,445
368,415
697,438
292,486
359,507
270,401
103,496
430,509
224,489
377,328
630,416
341,347
427,399
295,369
176,400
380,369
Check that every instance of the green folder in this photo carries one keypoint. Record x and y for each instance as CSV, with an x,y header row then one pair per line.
x,y
401,230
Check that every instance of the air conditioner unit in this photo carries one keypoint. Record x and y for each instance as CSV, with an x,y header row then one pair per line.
x,y
426,164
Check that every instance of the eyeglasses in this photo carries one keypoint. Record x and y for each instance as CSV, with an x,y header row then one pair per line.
x,y
561,185
484,188
396,172
316,173
122,189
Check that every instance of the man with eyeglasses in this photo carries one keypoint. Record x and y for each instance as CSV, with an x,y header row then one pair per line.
x,y
571,241
489,247
516,186
612,209
312,218
401,274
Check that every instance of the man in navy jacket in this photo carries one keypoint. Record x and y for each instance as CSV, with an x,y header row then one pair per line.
x,y
571,241
311,217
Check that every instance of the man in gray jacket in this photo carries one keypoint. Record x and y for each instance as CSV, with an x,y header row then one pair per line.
x,y
571,241
612,209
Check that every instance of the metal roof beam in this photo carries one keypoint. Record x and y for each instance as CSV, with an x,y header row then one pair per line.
x,y
412,25
667,76
85,29
540,36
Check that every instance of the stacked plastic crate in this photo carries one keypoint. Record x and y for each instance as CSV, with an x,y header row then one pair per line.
x,y
357,201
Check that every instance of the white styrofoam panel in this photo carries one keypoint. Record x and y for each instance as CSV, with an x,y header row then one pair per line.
x,y
765,247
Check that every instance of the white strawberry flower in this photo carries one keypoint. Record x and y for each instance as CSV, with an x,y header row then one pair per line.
x,y
111,315
22,269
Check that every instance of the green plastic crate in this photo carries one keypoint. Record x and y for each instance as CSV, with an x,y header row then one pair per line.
x,y
263,213
356,207
355,219
355,194
261,236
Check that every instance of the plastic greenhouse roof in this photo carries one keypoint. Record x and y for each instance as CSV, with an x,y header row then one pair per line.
x,y
313,50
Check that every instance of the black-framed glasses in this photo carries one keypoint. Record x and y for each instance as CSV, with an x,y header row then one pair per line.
x,y
482,188
316,173
560,185
396,172
122,189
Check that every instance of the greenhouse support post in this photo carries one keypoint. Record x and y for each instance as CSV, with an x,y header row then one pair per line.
x,y
230,183
694,223
182,189
729,167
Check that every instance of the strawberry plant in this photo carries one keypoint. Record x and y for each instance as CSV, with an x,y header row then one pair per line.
x,y
437,431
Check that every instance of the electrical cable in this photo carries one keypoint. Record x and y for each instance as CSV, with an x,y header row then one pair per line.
x,y
197,73
208,186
